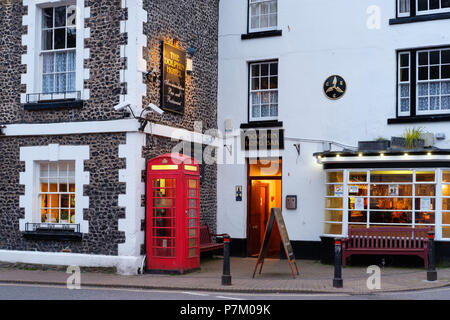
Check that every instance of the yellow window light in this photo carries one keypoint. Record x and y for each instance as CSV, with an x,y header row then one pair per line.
x,y
164,167
190,168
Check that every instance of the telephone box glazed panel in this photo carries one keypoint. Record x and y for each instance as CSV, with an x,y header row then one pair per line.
x,y
173,214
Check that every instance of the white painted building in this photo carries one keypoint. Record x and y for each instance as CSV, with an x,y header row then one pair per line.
x,y
395,59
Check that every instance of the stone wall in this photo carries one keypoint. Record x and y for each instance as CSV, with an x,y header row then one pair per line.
x,y
191,23
104,64
103,191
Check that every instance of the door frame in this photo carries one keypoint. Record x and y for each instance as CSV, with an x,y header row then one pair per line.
x,y
249,189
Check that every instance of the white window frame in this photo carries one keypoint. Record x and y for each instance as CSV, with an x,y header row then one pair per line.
x,y
424,12
251,91
269,28
59,193
403,14
429,81
400,83
54,51
33,157
438,199
32,40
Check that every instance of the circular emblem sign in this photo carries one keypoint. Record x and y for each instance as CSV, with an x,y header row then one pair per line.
x,y
334,87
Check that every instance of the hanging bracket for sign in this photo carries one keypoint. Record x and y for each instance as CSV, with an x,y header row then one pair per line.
x,y
275,213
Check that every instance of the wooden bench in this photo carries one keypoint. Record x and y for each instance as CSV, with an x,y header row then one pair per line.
x,y
388,241
206,239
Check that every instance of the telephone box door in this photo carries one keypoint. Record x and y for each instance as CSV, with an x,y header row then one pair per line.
x,y
162,219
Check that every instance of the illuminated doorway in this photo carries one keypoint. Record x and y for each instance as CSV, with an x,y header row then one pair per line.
x,y
264,187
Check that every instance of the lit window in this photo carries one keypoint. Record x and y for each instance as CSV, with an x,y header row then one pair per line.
x,y
58,49
263,15
57,192
377,198
264,91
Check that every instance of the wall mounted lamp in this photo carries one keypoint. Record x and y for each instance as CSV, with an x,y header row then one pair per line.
x,y
189,63
2,132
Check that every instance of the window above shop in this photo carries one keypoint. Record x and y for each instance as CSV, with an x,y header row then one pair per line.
x,y
421,10
263,93
423,84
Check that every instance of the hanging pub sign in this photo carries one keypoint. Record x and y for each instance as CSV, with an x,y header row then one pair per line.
x,y
270,139
173,79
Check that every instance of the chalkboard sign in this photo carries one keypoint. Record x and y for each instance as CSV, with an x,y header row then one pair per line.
x,y
275,213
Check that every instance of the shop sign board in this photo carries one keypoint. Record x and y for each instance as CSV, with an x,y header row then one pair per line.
x,y
173,84
260,139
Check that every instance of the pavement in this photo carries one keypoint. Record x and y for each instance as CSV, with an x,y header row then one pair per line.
x,y
276,277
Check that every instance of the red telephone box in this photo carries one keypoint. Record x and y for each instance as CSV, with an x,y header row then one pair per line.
x,y
173,214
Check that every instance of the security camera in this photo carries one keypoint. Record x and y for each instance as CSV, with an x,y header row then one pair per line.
x,y
121,106
155,109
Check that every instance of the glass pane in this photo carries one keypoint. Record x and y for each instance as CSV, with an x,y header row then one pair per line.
x,y
391,176
47,18
425,176
357,190
274,69
445,72
264,69
44,215
60,83
334,177
60,38
265,111
60,17
71,78
404,90
49,62
435,56
445,217
404,105
425,204
61,62
357,216
333,215
425,217
425,190
48,83
404,75
391,217
445,103
445,54
404,60
391,203
434,4
71,15
357,176
423,89
357,203
264,83
255,70
423,73
273,82
47,40
423,5
333,203
71,37
423,104
434,72
445,232
423,58
334,228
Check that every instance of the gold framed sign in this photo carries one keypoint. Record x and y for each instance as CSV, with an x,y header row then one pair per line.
x,y
334,87
173,84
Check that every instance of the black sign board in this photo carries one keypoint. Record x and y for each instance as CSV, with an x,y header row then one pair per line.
x,y
173,79
275,213
270,139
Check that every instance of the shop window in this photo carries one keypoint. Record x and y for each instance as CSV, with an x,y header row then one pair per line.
x,y
57,192
263,93
263,15
374,198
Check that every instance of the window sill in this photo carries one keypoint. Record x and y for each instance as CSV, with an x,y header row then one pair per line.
x,y
262,34
420,18
54,104
58,235
262,124
430,118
